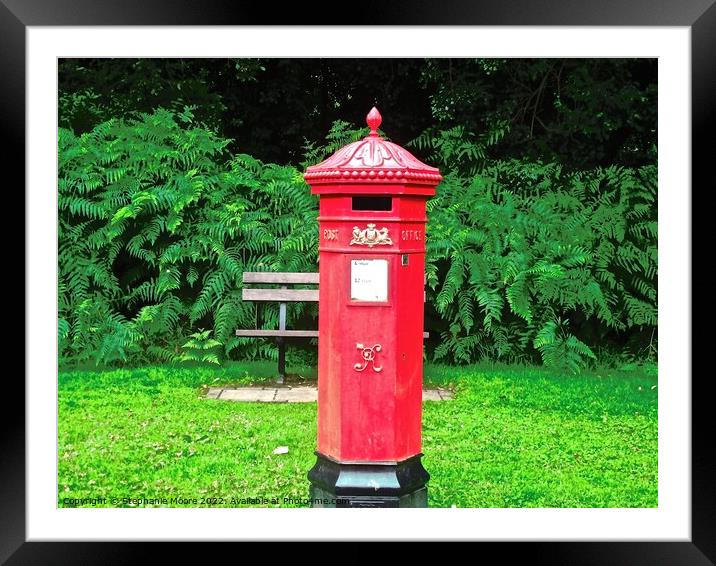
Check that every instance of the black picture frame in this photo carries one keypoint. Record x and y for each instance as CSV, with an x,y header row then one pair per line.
x,y
699,15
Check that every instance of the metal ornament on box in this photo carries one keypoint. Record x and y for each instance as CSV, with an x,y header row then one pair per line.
x,y
368,355
370,237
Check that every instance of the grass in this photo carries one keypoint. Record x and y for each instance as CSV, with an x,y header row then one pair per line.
x,y
513,437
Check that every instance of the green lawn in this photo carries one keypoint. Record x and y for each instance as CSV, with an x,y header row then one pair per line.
x,y
513,437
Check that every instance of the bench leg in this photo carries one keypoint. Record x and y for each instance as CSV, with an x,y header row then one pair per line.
x,y
281,341
281,359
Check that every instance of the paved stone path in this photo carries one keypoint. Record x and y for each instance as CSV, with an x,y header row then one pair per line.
x,y
295,394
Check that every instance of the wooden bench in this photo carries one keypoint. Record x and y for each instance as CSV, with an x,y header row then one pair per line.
x,y
282,295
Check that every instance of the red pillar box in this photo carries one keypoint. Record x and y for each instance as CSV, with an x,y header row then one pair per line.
x,y
370,324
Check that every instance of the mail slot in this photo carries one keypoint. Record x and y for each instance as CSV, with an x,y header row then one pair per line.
x,y
372,221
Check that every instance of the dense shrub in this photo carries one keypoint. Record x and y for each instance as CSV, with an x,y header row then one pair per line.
x,y
156,226
524,258
157,223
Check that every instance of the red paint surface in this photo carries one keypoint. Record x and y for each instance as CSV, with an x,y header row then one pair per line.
x,y
367,415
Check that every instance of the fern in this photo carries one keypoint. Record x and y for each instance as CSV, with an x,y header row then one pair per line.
x,y
559,349
524,262
201,348
157,224
532,245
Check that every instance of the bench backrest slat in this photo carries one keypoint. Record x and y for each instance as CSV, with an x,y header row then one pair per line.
x,y
271,277
279,295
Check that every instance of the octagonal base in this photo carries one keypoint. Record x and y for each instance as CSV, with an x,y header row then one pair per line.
x,y
368,484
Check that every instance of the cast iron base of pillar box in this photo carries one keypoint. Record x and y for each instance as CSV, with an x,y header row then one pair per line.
x,y
368,484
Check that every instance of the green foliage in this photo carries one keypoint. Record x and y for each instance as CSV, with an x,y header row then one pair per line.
x,y
525,261
342,133
524,258
581,113
201,348
459,150
156,226
559,348
94,90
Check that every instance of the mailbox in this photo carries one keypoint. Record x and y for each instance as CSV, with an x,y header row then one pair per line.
x,y
370,324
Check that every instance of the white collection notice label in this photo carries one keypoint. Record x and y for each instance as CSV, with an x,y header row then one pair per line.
x,y
369,280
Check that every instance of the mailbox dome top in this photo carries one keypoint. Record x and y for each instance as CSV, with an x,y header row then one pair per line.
x,y
372,160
